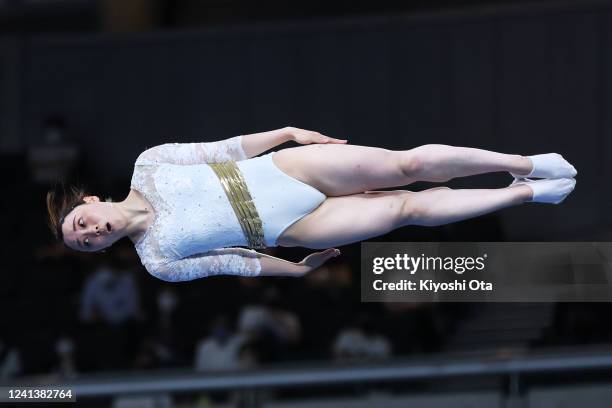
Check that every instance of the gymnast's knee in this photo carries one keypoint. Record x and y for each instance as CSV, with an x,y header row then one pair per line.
x,y
426,163
410,212
415,211
410,163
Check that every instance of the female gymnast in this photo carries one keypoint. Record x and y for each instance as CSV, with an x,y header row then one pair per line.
x,y
192,206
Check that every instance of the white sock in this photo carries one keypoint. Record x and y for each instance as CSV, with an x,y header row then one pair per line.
x,y
551,191
549,165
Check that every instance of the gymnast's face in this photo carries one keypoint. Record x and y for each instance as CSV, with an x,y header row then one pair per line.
x,y
93,226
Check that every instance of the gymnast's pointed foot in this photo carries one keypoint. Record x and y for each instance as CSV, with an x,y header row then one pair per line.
x,y
549,165
552,191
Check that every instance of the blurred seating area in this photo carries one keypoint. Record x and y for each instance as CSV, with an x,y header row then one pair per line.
x,y
81,313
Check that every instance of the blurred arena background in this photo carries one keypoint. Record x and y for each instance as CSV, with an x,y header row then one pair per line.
x,y
86,85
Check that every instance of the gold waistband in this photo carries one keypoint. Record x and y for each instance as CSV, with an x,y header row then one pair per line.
x,y
239,197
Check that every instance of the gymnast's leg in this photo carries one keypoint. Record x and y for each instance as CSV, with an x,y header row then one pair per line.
x,y
343,220
338,170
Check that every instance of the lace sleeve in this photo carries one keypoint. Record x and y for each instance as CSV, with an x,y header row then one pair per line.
x,y
224,261
194,153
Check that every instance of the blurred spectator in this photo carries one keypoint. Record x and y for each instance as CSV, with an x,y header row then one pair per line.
x,y
354,343
110,295
283,325
222,349
158,351
55,157
426,325
64,347
111,311
248,356
361,342
10,362
272,329
167,302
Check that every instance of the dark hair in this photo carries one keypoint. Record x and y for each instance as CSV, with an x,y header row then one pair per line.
x,y
60,205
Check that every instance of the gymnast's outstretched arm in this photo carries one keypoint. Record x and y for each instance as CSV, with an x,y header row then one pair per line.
x,y
273,266
235,148
236,261
257,143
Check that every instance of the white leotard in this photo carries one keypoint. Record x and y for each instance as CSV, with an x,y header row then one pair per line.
x,y
195,232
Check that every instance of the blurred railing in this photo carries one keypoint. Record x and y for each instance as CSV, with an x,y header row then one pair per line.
x,y
503,363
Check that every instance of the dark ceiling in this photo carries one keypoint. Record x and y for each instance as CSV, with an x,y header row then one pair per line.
x,y
138,15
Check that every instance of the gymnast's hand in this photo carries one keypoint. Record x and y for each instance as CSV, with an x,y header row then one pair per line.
x,y
316,259
303,136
